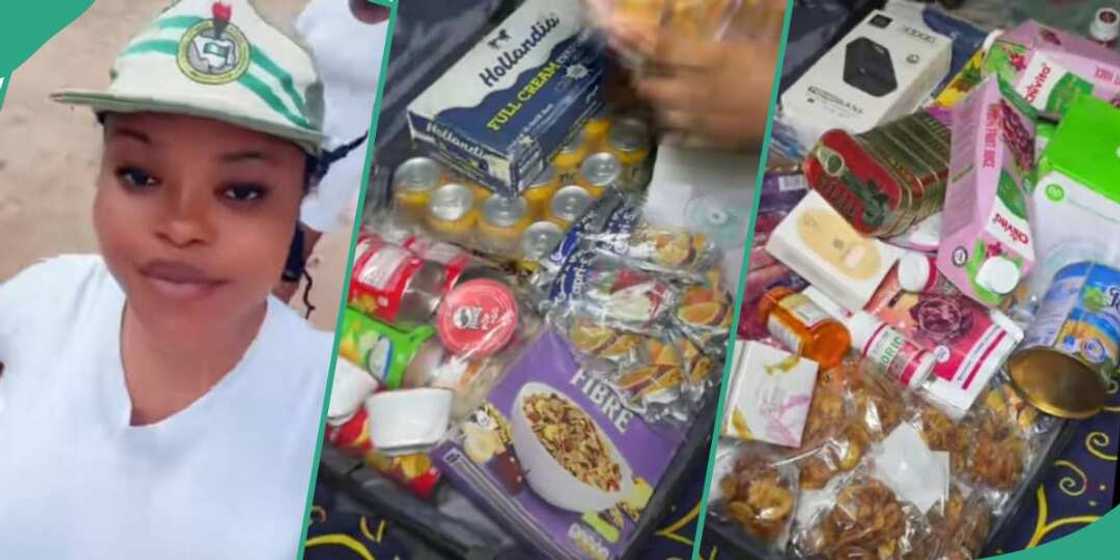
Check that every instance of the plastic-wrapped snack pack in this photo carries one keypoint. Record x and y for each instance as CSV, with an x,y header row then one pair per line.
x,y
757,491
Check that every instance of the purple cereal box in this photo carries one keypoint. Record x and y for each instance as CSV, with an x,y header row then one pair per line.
x,y
557,456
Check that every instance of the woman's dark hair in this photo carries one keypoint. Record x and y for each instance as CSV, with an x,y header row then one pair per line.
x,y
317,167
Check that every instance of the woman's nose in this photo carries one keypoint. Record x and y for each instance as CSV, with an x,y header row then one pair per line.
x,y
186,219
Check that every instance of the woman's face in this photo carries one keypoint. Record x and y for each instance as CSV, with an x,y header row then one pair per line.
x,y
195,217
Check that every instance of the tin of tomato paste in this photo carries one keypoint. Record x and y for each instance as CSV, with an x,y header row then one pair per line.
x,y
1073,346
478,318
454,260
887,179
393,285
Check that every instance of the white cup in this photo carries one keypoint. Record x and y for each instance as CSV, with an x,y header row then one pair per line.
x,y
407,421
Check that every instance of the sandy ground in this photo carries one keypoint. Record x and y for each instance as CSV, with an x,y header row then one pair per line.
x,y
49,152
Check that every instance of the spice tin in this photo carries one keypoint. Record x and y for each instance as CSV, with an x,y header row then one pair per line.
x,y
413,183
503,221
629,141
454,260
596,129
538,241
1073,346
885,180
568,205
568,159
539,192
451,211
599,172
481,193
391,284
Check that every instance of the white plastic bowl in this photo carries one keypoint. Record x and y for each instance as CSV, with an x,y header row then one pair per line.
x,y
408,421
550,480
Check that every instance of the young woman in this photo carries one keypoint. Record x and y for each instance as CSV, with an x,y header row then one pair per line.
x,y
155,401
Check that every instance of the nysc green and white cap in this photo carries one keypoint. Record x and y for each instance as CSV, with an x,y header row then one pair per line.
x,y
218,60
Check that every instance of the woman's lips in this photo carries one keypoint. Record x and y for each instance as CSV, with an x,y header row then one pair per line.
x,y
179,280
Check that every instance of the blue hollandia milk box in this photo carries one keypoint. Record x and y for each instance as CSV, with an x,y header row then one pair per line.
x,y
499,114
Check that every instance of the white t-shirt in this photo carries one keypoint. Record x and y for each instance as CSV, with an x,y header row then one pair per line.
x,y
227,477
347,54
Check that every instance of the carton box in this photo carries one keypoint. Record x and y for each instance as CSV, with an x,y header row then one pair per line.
x,y
883,69
770,394
1051,67
986,241
500,113
557,456
1076,199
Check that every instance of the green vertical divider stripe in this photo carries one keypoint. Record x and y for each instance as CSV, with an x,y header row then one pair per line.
x,y
392,23
702,516
4,89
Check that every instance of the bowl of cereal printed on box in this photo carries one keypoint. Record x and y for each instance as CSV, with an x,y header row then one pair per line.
x,y
567,459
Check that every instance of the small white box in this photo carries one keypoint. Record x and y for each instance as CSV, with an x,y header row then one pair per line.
x,y
770,394
883,69
817,243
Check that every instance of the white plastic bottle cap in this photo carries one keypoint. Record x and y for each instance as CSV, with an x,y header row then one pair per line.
x,y
924,369
925,236
862,326
1105,26
998,275
916,272
991,39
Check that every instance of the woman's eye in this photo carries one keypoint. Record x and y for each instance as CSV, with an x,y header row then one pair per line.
x,y
135,177
244,193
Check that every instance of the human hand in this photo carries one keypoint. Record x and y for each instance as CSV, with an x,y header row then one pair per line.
x,y
704,91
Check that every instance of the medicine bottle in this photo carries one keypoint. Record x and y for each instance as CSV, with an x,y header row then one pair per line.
x,y
889,351
803,327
